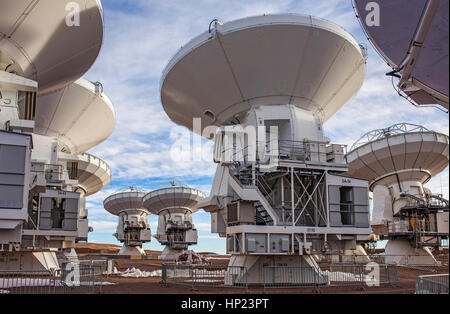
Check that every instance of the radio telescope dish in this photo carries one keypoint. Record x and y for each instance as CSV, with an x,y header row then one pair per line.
x,y
133,228
174,206
266,60
128,199
92,173
80,115
173,199
37,43
397,161
412,37
402,152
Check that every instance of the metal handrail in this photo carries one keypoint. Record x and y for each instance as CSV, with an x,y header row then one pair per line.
x,y
300,150
432,284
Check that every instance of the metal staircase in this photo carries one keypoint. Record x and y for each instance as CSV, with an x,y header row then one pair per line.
x,y
244,186
245,177
262,217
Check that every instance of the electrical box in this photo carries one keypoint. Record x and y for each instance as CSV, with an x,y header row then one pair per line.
x,y
284,244
280,243
316,152
241,212
335,153
256,243
251,244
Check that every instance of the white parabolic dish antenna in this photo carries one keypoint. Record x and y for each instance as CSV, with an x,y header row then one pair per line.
x,y
412,24
93,173
125,200
37,43
397,161
133,228
266,60
79,115
173,199
174,206
402,152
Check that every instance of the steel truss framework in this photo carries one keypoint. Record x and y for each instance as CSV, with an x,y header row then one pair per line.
x,y
292,192
399,128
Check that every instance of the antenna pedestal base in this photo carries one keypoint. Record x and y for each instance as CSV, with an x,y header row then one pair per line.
x,y
132,251
170,254
36,261
401,252
265,269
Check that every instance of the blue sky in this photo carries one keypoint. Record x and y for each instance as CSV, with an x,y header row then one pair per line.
x,y
140,38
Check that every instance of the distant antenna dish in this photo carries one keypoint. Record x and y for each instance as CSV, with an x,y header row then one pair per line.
x,y
412,37
133,228
410,152
175,199
125,200
174,206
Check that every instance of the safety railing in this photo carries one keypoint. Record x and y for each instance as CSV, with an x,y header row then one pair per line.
x,y
302,150
204,275
265,188
101,266
176,274
370,274
292,277
413,225
70,279
432,284
76,278
233,276
306,151
26,282
331,275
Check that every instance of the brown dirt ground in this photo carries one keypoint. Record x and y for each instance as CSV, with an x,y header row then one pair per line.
x,y
152,285
100,248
